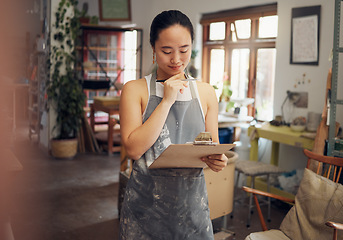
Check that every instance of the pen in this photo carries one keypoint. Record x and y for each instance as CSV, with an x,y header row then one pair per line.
x,y
187,79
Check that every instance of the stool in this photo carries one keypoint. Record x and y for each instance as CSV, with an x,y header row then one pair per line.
x,y
254,169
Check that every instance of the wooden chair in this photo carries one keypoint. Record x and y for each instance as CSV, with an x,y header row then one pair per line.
x,y
317,203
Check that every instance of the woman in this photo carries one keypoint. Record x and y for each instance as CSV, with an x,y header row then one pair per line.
x,y
167,203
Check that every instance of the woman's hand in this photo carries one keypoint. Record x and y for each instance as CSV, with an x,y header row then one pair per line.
x,y
172,86
216,162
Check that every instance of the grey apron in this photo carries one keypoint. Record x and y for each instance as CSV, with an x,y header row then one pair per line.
x,y
168,203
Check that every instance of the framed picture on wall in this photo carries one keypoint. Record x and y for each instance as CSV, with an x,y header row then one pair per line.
x,y
115,10
305,35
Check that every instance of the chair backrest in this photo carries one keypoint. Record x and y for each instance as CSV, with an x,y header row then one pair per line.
x,y
329,167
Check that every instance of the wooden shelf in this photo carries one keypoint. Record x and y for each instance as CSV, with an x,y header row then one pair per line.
x,y
36,96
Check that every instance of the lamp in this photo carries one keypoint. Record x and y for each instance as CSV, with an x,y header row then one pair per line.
x,y
294,98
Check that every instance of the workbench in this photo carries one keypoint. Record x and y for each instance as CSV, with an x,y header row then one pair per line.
x,y
277,134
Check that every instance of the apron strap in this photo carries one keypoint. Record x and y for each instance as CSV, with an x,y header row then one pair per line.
x,y
192,88
153,83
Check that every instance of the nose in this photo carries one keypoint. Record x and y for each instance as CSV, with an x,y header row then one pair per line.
x,y
175,58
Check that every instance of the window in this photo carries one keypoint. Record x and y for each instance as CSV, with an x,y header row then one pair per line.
x,y
239,46
109,55
105,53
217,31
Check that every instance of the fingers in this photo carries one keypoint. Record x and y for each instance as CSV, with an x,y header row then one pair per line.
x,y
177,80
215,162
172,86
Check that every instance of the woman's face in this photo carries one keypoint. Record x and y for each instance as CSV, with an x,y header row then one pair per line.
x,y
173,51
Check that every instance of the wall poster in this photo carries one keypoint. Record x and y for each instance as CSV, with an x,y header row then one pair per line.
x,y
305,35
115,10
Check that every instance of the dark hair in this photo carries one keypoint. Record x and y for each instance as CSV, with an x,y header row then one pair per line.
x,y
167,19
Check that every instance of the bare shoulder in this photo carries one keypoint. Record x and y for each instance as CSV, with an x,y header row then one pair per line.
x,y
205,89
139,85
134,93
137,88
207,96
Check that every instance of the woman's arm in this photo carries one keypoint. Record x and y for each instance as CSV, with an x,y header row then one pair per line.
x,y
210,107
137,137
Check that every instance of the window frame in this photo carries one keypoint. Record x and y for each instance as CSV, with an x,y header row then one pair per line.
x,y
253,43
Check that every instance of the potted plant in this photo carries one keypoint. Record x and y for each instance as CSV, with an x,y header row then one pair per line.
x,y
226,92
224,98
191,68
64,91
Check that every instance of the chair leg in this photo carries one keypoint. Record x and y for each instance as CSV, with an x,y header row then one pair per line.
x,y
268,190
252,185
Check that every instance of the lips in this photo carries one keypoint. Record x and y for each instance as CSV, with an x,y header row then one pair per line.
x,y
175,68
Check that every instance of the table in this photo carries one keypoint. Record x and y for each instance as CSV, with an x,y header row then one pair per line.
x,y
277,134
110,110
226,120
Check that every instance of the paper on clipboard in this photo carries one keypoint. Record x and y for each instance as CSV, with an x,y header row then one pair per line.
x,y
188,155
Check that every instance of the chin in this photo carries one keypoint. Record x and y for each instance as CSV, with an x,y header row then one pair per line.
x,y
174,72
171,72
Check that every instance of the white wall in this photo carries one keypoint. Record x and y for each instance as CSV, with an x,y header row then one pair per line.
x,y
143,11
286,73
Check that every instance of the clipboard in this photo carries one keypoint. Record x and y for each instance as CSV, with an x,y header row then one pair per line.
x,y
188,155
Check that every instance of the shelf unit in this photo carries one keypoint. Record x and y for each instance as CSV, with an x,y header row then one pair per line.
x,y
332,151
36,95
108,56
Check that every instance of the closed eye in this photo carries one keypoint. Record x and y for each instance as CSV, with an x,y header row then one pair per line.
x,y
184,49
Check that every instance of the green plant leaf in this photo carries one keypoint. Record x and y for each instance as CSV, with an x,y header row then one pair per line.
x,y
63,89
